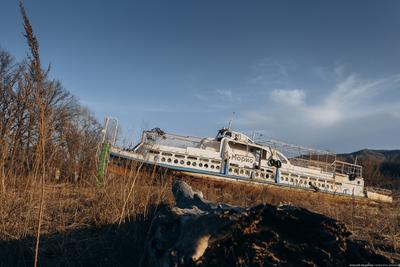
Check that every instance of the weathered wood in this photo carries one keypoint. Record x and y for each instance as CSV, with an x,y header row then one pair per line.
x,y
199,232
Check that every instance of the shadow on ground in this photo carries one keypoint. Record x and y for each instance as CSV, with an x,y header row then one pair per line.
x,y
107,245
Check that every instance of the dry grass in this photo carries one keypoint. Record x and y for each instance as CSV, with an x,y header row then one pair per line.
x,y
85,224
71,206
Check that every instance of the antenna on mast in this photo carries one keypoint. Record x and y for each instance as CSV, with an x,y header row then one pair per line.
x,y
230,121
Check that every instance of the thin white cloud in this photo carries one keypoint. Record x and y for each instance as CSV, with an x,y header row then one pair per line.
x,y
322,74
200,96
352,98
346,112
348,116
270,72
221,98
225,94
289,97
336,73
339,70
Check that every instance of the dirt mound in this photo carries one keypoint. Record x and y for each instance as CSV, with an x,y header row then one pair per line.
x,y
200,233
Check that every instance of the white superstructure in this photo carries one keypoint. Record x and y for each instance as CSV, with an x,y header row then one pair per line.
x,y
234,155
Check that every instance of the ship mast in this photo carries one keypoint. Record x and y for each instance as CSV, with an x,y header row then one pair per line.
x,y
231,120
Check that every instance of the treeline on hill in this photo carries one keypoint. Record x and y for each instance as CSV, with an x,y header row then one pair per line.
x,y
381,168
43,129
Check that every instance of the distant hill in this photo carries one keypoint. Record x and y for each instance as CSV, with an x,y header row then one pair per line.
x,y
381,168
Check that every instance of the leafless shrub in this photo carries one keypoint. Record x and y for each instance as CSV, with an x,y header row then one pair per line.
x,y
42,126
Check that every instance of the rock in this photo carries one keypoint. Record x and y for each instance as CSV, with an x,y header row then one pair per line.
x,y
186,197
198,232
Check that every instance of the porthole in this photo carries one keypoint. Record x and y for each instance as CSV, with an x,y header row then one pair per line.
x,y
247,172
188,163
182,162
230,169
169,160
236,171
155,158
217,167
175,161
257,174
206,165
200,164
267,176
194,163
162,159
241,171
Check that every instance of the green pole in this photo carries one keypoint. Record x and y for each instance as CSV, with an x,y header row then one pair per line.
x,y
101,169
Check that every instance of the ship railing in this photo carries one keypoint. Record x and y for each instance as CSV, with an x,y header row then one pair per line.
x,y
173,136
306,157
302,156
347,168
293,150
155,137
313,164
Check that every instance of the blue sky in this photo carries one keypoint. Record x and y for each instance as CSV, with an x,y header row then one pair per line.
x,y
320,73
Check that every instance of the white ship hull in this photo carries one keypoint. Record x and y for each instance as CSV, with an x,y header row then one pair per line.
x,y
234,156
